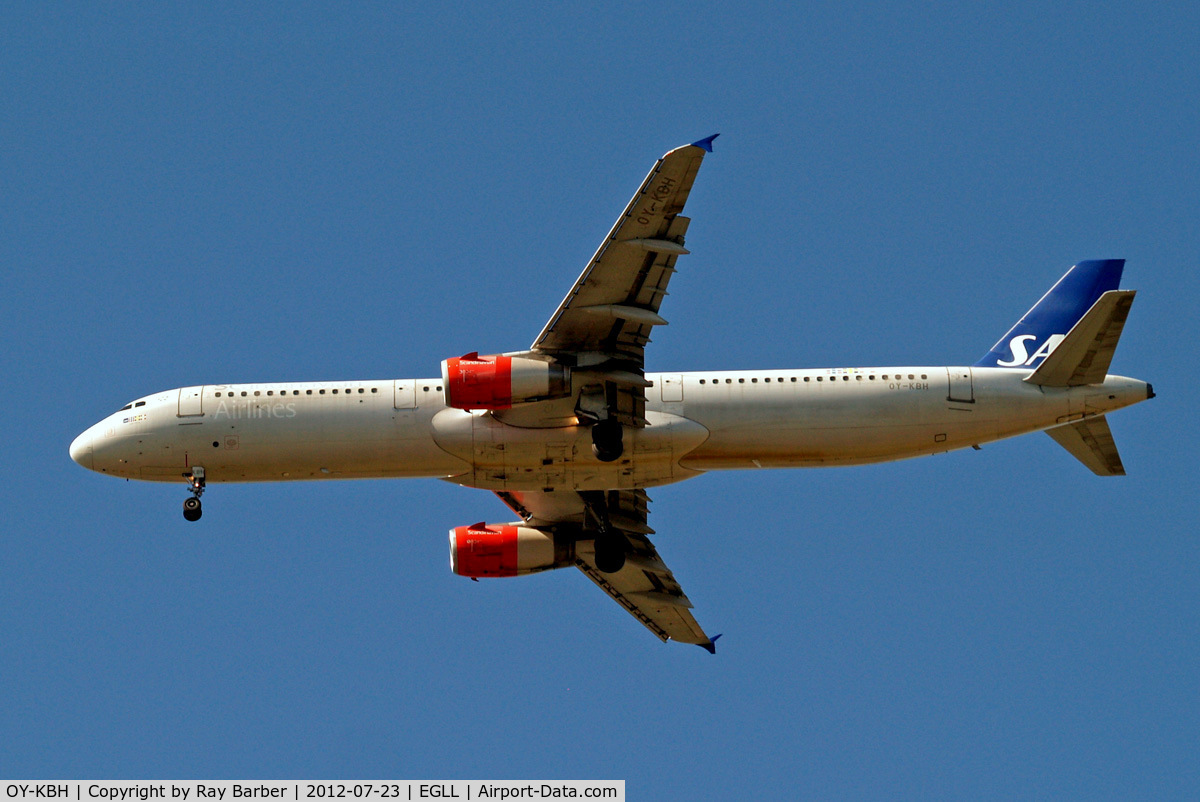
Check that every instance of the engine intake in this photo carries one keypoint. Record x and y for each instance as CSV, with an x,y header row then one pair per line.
x,y
497,381
486,550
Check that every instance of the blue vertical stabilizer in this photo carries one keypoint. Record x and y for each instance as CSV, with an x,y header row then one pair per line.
x,y
1045,325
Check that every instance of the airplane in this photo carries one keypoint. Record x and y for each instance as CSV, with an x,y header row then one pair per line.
x,y
571,433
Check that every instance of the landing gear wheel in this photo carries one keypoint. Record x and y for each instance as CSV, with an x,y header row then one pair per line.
x,y
191,509
610,554
195,480
606,440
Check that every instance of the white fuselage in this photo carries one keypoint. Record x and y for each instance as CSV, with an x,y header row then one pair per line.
x,y
712,420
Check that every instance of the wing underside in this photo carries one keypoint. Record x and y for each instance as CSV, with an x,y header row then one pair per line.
x,y
606,319
644,586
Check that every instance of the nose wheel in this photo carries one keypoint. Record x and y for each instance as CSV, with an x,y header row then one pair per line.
x,y
191,507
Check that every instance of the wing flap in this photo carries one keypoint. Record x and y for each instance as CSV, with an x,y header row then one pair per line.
x,y
652,597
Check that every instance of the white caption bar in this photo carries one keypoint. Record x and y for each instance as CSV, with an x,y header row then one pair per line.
x,y
309,790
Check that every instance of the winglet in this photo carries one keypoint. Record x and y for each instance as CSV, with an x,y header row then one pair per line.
x,y
711,646
705,143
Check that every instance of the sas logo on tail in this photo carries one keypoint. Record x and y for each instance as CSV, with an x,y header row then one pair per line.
x,y
1020,351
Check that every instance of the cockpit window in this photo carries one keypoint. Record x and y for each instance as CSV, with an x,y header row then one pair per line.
x,y
127,406
140,404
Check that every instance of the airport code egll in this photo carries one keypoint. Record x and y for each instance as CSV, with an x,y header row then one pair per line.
x,y
227,790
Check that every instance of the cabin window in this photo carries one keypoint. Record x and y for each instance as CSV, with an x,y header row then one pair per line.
x,y
741,381
361,390
374,389
244,393
322,392
754,381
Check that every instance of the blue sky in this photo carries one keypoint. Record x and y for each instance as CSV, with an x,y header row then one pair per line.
x,y
203,193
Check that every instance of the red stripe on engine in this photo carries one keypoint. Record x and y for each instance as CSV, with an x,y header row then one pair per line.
x,y
502,385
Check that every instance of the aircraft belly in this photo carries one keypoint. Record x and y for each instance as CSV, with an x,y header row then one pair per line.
x,y
505,457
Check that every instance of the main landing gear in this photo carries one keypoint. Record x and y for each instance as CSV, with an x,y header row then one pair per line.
x,y
607,442
191,507
597,406
610,551
610,544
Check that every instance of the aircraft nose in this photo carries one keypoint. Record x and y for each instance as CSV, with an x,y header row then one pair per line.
x,y
81,449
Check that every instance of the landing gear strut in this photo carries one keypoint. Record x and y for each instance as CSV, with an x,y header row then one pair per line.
x,y
191,507
611,546
606,440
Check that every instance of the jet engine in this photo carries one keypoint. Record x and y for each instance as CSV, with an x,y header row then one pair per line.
x,y
485,550
497,381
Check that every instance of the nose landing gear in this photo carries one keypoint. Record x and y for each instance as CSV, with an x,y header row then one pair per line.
x,y
191,507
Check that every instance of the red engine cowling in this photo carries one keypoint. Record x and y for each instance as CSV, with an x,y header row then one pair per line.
x,y
484,550
498,382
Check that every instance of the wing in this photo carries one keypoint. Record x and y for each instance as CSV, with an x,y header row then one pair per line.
x,y
606,319
644,586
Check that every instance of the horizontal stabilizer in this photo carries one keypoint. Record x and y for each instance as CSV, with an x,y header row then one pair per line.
x,y
1091,442
1085,353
